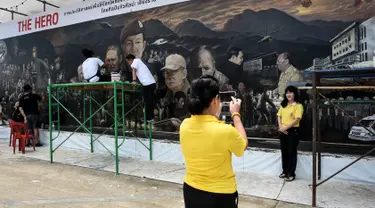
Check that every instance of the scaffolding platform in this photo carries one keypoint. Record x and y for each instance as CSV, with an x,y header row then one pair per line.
x,y
116,91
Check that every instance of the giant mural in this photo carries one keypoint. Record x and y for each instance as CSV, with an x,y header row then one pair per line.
x,y
253,47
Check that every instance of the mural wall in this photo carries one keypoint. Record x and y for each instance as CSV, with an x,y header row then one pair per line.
x,y
253,47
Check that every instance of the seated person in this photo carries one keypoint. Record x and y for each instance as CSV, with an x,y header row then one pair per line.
x,y
91,67
17,116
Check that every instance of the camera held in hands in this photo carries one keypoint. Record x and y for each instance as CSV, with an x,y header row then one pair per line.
x,y
226,98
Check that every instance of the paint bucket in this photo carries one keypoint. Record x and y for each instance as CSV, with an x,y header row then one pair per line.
x,y
115,76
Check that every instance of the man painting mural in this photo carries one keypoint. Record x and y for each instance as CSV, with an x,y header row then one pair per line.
x,y
288,73
92,66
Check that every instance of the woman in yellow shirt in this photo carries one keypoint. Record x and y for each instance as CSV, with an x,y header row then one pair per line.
x,y
289,116
207,145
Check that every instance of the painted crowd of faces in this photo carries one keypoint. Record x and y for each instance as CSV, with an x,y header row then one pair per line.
x,y
258,109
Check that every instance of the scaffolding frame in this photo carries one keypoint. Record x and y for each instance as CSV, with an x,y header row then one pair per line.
x,y
117,88
316,143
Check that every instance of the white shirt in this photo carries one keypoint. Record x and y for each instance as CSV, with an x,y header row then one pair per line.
x,y
143,73
90,68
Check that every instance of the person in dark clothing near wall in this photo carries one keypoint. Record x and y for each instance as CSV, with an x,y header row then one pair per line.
x,y
232,67
16,115
30,111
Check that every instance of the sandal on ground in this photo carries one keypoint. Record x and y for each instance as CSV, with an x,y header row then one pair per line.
x,y
282,175
290,178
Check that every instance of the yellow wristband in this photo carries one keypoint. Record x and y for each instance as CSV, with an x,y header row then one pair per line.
x,y
236,114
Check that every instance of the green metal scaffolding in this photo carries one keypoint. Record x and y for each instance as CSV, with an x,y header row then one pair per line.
x,y
55,91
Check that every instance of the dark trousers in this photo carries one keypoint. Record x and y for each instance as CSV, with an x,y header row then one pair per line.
x,y
195,198
289,144
149,100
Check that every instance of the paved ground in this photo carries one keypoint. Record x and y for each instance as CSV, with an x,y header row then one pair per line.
x,y
34,183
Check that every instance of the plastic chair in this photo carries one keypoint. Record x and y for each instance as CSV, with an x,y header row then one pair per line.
x,y
21,132
11,122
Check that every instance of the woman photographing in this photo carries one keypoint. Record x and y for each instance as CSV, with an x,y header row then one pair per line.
x,y
289,116
207,145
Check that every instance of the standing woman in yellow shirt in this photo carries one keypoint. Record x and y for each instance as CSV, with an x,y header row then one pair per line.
x,y
207,145
289,116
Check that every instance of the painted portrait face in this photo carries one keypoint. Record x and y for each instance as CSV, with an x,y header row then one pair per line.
x,y
241,86
206,62
113,60
238,59
282,63
134,45
174,79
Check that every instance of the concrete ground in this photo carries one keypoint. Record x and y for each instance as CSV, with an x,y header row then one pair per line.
x,y
32,183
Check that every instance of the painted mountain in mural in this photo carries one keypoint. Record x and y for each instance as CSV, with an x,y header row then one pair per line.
x,y
284,26
194,28
155,28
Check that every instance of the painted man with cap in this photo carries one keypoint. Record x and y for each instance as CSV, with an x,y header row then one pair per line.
x,y
133,39
175,74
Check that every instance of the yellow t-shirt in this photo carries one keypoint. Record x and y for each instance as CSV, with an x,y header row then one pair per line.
x,y
290,113
207,145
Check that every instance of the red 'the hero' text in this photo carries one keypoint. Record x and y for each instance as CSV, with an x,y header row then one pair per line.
x,y
43,21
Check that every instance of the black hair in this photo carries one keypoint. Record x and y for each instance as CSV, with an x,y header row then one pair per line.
x,y
233,51
87,53
203,90
294,90
27,88
130,57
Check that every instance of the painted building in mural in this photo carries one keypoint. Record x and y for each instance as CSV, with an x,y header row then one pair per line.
x,y
367,39
250,46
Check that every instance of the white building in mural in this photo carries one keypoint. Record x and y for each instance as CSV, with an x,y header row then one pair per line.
x,y
321,63
345,46
367,40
